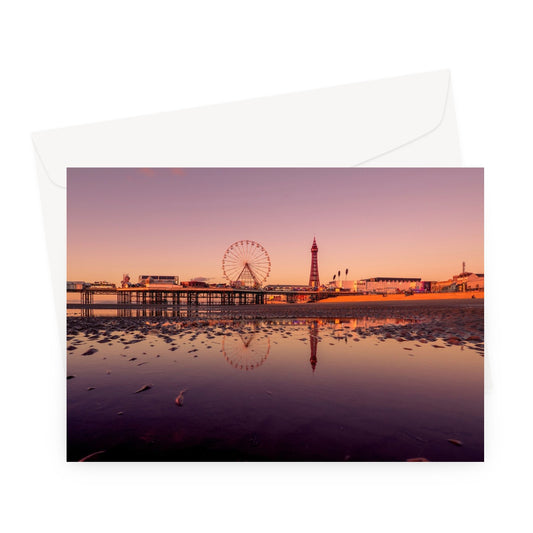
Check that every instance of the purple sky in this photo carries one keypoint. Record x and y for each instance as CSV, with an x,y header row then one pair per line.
x,y
375,222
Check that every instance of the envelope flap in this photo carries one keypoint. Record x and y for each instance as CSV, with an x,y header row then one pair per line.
x,y
339,126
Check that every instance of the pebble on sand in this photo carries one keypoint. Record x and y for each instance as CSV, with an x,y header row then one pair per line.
x,y
143,388
453,340
179,398
455,441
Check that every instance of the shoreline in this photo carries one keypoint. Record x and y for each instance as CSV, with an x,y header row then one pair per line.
x,y
427,297
460,317
454,321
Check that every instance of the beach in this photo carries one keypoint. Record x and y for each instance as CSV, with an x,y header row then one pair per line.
x,y
399,380
424,297
459,317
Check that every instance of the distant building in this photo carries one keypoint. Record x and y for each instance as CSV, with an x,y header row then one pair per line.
x,y
389,285
475,282
158,282
76,285
349,285
340,285
334,285
436,286
360,286
460,279
443,286
465,281
425,286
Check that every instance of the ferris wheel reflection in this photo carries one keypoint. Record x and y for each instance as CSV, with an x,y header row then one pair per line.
x,y
246,349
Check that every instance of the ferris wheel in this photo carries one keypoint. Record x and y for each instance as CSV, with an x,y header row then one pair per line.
x,y
246,264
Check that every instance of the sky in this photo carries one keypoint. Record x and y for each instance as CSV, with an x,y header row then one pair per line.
x,y
372,221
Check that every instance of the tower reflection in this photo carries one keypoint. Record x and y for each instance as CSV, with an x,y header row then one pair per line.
x,y
313,341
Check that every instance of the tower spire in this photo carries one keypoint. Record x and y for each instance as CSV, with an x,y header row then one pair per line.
x,y
314,280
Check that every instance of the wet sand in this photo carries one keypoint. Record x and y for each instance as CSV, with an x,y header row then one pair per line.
x,y
454,320
366,381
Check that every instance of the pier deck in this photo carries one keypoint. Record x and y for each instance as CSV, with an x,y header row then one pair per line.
x,y
142,296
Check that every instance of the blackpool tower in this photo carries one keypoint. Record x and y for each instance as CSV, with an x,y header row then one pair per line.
x,y
313,276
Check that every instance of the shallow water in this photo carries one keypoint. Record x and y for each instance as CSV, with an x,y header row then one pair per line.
x,y
298,390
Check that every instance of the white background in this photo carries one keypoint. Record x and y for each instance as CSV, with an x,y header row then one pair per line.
x,y
67,63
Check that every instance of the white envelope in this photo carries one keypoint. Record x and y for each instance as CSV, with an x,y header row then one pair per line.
x,y
405,121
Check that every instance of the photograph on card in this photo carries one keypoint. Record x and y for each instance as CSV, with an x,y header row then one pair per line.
x,y
275,314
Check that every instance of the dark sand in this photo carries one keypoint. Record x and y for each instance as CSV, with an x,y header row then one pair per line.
x,y
452,320
382,390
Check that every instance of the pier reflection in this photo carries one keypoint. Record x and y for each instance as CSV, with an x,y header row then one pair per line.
x,y
147,312
245,345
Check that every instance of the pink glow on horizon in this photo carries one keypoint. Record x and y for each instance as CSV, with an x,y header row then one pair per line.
x,y
375,222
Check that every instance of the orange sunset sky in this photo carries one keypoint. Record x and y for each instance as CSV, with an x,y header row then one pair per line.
x,y
375,222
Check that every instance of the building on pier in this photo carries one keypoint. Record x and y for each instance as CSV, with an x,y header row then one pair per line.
x,y
288,288
76,285
102,285
158,281
195,283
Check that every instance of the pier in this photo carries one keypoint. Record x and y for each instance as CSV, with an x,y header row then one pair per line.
x,y
178,297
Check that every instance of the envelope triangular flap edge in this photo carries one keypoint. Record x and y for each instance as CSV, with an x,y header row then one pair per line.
x,y
339,126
